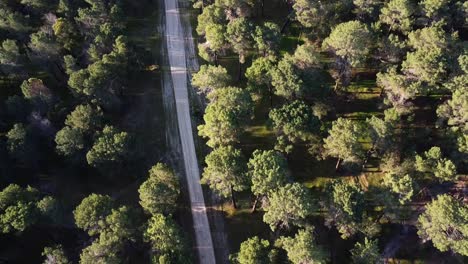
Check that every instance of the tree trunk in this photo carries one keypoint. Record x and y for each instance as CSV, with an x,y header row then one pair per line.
x,y
338,164
216,58
233,200
284,25
336,84
254,205
288,19
240,71
271,95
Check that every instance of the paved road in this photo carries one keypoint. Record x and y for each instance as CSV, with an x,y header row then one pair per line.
x,y
177,59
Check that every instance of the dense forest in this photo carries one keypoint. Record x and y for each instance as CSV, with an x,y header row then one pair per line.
x,y
331,131
81,145
338,129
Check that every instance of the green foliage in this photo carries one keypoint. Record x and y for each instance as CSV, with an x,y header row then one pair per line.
x,y
403,186
225,171
259,75
268,170
159,193
39,5
111,147
55,255
320,17
435,8
429,38
343,141
20,145
66,34
286,80
288,205
211,15
18,210
103,250
120,225
398,15
455,110
166,240
92,210
380,132
114,227
345,206
434,163
294,123
18,217
253,250
85,118
13,22
9,52
397,88
267,38
366,8
425,66
351,41
366,253
69,141
34,88
50,209
44,45
307,56
444,223
348,197
302,248
239,35
210,78
102,79
226,116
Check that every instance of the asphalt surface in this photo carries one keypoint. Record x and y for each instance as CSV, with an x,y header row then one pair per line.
x,y
175,40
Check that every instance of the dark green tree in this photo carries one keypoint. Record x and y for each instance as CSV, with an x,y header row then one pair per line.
x,y
433,162
345,207
268,170
444,223
366,253
288,205
294,123
18,209
302,248
225,172
92,211
253,250
111,147
226,116
351,43
210,78
286,80
20,144
343,141
166,240
85,118
267,38
159,193
55,255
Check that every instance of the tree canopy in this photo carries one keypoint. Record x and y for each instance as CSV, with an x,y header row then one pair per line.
x,y
444,223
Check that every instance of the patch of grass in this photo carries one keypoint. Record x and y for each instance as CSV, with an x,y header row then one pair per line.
x,y
243,225
289,43
318,182
374,178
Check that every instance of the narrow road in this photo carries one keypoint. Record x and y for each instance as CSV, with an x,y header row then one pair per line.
x,y
175,41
